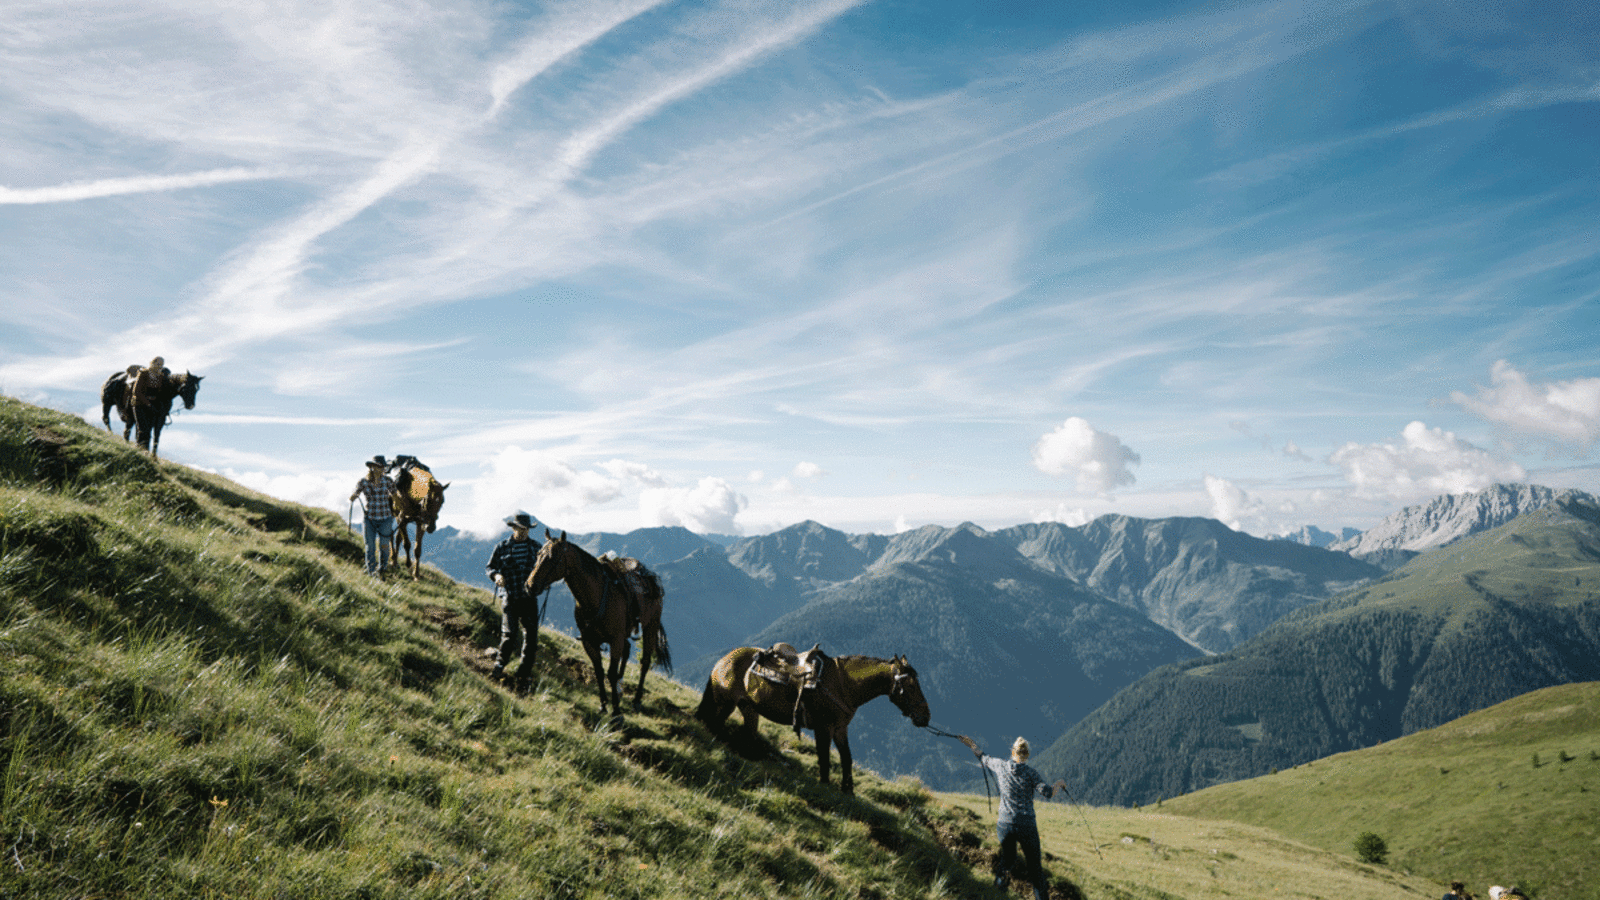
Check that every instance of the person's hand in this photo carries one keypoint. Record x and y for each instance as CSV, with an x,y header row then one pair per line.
x,y
499,579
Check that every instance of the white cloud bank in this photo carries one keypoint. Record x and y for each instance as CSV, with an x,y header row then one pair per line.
x,y
709,507
1568,411
1099,461
1427,462
1230,504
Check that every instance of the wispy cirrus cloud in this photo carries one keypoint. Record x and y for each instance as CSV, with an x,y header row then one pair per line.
x,y
139,184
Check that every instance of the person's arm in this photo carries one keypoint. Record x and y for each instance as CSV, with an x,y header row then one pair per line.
x,y
493,568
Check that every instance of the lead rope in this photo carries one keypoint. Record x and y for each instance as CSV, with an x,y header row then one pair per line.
x,y
973,746
988,797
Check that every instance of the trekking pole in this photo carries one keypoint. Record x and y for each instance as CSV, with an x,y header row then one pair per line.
x,y
350,518
1062,785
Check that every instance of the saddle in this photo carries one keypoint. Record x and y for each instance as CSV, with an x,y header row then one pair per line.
x,y
635,581
782,666
406,486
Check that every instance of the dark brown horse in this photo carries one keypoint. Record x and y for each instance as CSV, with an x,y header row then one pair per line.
x,y
608,607
417,497
150,417
847,683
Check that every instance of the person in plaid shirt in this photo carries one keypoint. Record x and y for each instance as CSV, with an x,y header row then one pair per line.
x,y
377,513
1016,824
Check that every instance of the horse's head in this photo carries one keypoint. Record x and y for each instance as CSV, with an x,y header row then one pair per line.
x,y
906,692
188,386
430,509
551,564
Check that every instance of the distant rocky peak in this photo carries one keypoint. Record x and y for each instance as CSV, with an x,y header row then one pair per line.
x,y
1446,519
1312,536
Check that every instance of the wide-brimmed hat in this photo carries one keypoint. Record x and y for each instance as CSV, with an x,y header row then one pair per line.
x,y
378,461
520,519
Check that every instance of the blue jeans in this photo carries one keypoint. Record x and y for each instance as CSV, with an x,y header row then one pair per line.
x,y
371,530
1026,833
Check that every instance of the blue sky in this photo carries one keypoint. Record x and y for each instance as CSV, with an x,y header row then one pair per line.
x,y
734,265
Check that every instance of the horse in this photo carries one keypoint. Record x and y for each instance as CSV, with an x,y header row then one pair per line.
x,y
608,606
149,418
846,684
416,498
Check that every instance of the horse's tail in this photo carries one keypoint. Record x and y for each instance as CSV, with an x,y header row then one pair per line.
x,y
663,659
108,397
707,710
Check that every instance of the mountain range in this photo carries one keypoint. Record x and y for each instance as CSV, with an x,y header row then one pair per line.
x,y
1482,619
1023,629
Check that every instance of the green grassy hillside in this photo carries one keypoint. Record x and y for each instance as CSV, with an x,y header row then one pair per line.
x,y
1506,795
201,695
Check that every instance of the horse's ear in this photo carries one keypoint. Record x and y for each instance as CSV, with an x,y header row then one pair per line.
x,y
446,484
547,534
563,535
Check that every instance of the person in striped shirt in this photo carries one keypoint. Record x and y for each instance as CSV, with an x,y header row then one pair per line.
x,y
509,567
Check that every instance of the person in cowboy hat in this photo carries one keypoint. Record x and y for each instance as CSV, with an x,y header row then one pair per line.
x,y
377,507
509,567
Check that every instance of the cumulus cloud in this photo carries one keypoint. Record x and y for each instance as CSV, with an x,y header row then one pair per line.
x,y
540,482
1426,462
1099,461
1230,504
808,470
632,471
1568,411
1074,516
312,490
709,507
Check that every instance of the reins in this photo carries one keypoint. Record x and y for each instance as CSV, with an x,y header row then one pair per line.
x,y
988,796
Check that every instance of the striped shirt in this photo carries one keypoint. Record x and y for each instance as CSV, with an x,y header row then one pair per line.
x,y
375,498
513,560
1018,782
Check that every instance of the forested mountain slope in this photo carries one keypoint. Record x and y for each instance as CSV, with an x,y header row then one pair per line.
x,y
1001,644
1460,628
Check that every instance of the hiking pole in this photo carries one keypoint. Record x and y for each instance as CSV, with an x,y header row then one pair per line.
x,y
1062,785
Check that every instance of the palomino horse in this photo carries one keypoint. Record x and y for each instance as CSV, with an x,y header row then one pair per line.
x,y
608,606
151,417
847,683
417,497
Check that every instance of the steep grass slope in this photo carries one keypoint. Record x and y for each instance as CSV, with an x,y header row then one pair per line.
x,y
1508,795
202,696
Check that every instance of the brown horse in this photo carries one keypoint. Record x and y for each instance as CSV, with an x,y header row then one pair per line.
x,y
608,607
150,418
847,683
416,498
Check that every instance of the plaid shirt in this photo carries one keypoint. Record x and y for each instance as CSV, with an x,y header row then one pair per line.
x,y
376,498
513,560
1018,783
